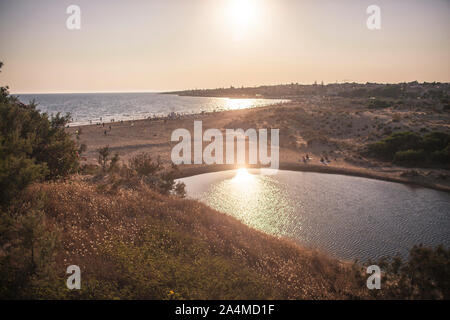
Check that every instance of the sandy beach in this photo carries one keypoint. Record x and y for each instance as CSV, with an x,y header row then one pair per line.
x,y
335,128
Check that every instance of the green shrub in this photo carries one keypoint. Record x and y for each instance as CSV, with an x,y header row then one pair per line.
x,y
425,275
435,141
442,156
409,148
28,250
140,169
410,157
103,157
401,141
144,165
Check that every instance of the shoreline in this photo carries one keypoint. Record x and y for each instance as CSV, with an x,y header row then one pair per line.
x,y
203,169
276,101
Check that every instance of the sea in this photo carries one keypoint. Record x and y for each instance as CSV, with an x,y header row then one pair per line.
x,y
88,108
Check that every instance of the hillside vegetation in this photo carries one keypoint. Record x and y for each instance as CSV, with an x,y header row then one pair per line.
x,y
139,244
409,149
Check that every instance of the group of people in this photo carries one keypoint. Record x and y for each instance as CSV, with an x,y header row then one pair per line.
x,y
110,128
103,125
324,160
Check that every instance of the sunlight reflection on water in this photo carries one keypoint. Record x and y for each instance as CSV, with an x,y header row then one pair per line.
x,y
234,104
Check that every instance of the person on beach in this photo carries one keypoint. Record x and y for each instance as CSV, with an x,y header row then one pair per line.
x,y
104,132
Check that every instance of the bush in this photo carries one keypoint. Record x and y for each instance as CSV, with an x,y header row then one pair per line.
x,y
389,91
378,104
435,141
409,148
410,156
154,174
141,169
401,141
144,166
103,157
28,250
425,275
442,156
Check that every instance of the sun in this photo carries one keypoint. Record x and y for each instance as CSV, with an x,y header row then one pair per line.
x,y
242,16
242,12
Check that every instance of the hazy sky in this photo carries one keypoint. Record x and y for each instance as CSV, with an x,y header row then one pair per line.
x,y
157,45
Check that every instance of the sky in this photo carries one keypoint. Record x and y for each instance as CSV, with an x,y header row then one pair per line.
x,y
162,45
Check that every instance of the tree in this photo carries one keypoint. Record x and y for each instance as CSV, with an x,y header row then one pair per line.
x,y
28,250
155,175
33,146
103,155
424,275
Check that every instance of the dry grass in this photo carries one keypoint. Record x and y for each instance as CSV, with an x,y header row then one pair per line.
x,y
139,244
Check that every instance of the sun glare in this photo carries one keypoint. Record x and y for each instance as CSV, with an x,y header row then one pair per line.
x,y
235,104
242,15
242,176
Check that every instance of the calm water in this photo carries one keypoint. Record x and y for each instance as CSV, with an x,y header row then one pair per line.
x,y
86,107
349,217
